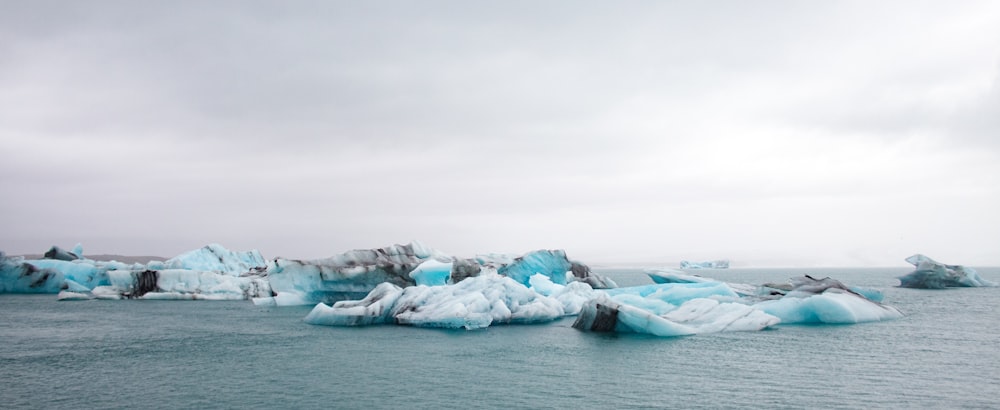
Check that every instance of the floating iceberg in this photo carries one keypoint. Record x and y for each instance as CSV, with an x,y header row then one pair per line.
x,y
826,300
473,303
698,305
717,264
676,276
354,274
216,258
211,273
214,272
930,274
700,315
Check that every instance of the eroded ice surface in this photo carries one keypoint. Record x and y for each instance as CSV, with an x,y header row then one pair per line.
x,y
930,274
473,303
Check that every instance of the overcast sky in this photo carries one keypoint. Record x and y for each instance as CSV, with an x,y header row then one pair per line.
x,y
770,133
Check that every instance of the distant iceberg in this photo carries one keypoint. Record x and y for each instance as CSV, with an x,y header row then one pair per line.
x,y
930,274
716,264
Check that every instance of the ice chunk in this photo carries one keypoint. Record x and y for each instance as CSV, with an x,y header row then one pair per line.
x,y
716,264
674,276
373,309
61,254
18,276
930,274
216,258
551,263
432,273
700,315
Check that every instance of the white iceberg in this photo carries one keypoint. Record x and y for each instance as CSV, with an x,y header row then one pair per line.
x,y
716,264
473,303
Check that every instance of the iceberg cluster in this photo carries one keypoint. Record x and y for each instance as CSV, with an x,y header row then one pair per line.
x,y
930,274
716,264
216,273
697,305
417,285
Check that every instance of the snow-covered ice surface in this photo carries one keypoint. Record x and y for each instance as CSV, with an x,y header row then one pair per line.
x,y
930,274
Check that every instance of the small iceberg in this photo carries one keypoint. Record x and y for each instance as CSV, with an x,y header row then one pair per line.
x,y
930,274
716,264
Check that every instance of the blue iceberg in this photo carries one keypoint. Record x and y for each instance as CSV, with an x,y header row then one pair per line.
x,y
354,274
826,300
930,274
209,273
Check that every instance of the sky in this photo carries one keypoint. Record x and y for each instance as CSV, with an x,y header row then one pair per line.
x,y
770,133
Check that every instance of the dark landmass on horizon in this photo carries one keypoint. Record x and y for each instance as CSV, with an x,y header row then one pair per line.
x,y
106,258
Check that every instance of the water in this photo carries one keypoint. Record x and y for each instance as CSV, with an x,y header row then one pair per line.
x,y
170,354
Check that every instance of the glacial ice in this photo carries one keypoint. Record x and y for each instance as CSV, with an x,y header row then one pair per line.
x,y
826,300
716,264
352,275
930,274
216,258
418,286
699,315
473,303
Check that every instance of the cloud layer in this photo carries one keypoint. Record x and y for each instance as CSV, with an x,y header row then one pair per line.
x,y
771,132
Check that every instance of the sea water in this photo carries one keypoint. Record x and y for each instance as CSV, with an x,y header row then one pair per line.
x,y
173,354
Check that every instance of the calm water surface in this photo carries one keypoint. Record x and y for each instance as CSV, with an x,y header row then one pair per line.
x,y
173,354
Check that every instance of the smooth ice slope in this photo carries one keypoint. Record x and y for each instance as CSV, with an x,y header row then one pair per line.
x,y
930,274
672,309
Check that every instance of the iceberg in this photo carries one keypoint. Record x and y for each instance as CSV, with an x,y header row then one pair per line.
x,y
700,315
216,258
474,303
716,264
685,305
930,274
210,273
214,272
354,274
61,254
826,300
672,309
